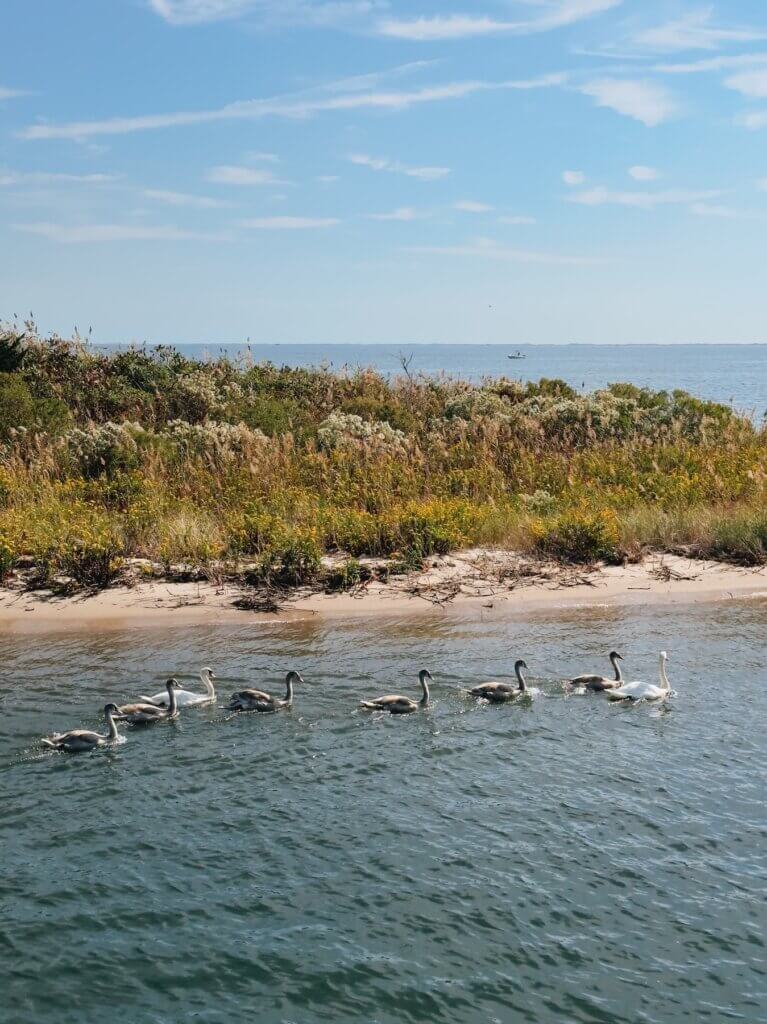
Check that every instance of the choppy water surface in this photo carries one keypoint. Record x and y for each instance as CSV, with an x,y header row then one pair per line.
x,y
560,861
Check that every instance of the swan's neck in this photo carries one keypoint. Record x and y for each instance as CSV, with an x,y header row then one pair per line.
x,y
112,733
521,679
616,666
207,684
665,684
289,689
425,687
172,703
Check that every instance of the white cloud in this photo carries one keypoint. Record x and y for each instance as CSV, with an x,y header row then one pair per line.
x,y
573,178
752,84
114,233
184,199
762,184
11,94
227,174
376,163
714,210
601,196
645,101
694,31
8,178
464,26
515,219
470,206
264,12
291,106
289,223
404,213
328,179
754,121
642,173
712,64
488,248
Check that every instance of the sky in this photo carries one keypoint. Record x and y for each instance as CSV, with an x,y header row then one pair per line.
x,y
385,171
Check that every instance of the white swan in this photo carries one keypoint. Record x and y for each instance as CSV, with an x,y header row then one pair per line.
x,y
187,698
499,693
257,700
397,705
77,740
140,713
599,683
644,691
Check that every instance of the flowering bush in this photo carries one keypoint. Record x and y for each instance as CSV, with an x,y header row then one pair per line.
x,y
342,430
105,448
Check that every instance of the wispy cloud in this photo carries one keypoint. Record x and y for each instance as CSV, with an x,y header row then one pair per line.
x,y
601,196
471,206
184,199
404,213
289,223
712,64
11,94
644,100
694,31
85,233
755,120
642,173
264,12
227,174
489,249
289,106
718,211
12,178
573,178
376,163
515,219
464,26
752,84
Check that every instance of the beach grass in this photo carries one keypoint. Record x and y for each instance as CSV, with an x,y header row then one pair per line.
x,y
149,454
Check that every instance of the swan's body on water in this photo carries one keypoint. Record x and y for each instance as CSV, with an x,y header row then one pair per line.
x,y
77,740
645,691
398,705
142,713
257,700
500,693
599,683
187,698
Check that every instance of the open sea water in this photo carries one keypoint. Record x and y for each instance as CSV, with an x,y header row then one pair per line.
x,y
561,860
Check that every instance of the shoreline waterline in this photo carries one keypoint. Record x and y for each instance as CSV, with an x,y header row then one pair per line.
x,y
464,585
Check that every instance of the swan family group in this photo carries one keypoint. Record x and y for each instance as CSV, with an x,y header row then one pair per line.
x,y
165,705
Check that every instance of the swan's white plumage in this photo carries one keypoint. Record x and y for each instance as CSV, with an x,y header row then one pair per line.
x,y
639,690
187,698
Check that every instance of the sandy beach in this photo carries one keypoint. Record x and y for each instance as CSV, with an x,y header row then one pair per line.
x,y
472,583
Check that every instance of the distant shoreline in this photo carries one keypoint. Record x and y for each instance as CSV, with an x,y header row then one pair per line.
x,y
468,585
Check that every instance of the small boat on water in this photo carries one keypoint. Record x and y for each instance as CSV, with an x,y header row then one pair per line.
x,y
517,355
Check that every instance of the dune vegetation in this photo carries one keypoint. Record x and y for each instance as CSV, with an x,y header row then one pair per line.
x,y
221,467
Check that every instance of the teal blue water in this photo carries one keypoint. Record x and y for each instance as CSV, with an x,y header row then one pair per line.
x,y
562,860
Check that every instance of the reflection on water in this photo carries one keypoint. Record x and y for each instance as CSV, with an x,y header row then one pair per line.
x,y
560,860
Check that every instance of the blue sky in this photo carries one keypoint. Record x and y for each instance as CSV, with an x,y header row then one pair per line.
x,y
370,171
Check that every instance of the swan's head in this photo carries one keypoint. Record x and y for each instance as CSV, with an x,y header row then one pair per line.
x,y
614,654
294,677
208,672
520,664
172,684
663,656
110,709
425,674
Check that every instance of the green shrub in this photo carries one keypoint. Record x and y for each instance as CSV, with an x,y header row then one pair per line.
x,y
20,409
95,565
581,537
